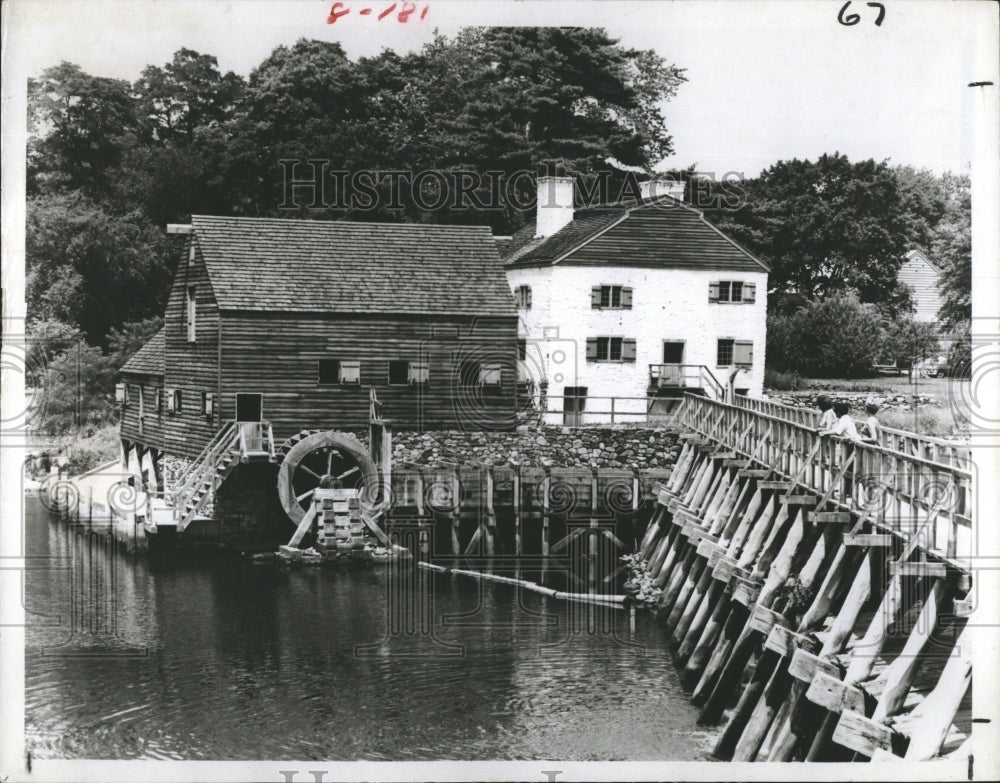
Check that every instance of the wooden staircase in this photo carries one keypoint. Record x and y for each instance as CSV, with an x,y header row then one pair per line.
x,y
231,446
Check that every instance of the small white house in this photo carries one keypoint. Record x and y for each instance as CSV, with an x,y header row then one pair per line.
x,y
921,275
625,307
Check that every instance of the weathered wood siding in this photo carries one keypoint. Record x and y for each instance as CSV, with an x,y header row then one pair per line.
x,y
277,355
191,367
150,433
922,278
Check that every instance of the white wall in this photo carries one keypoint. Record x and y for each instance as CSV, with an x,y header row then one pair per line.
x,y
668,304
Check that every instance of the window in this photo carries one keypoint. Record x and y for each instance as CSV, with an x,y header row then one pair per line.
x,y
611,297
191,252
120,394
734,352
399,372
154,395
522,350
174,401
475,373
334,371
490,374
208,404
191,310
732,292
522,297
610,349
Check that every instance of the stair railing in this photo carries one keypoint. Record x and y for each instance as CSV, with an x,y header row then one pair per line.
x,y
223,442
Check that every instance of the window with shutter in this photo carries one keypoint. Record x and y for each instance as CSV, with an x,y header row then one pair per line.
x,y
628,350
350,372
743,353
399,372
156,394
522,297
591,349
627,298
595,297
328,371
750,292
713,292
724,353
119,393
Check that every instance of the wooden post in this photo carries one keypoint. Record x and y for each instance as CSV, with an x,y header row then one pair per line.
x,y
546,482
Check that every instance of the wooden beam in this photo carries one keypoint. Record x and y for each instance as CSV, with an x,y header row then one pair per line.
x,y
938,570
830,517
179,228
798,500
833,695
804,666
861,734
867,539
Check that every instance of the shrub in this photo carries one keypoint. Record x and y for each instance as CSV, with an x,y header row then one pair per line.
x,y
783,381
838,337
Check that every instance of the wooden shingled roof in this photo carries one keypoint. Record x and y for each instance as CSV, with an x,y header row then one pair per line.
x,y
148,360
273,264
658,233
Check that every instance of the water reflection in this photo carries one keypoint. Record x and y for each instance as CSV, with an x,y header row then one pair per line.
x,y
200,658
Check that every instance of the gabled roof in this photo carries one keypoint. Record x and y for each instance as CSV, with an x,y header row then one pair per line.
x,y
148,360
657,233
273,264
919,255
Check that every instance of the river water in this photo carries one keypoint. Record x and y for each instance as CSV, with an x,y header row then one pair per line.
x,y
200,658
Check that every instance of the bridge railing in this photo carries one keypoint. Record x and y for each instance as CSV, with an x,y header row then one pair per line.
x,y
942,450
896,492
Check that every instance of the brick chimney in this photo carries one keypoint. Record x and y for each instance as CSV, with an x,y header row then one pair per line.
x,y
654,188
554,208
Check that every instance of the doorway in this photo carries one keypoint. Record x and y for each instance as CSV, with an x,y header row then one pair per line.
x,y
249,407
673,352
574,400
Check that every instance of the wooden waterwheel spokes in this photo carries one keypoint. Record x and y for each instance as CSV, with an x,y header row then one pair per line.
x,y
312,459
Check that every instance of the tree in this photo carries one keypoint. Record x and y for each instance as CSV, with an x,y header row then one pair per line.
x,y
838,337
79,125
92,269
78,390
185,94
909,342
125,342
951,248
825,228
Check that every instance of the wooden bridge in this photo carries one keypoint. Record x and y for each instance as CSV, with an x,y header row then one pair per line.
x,y
815,590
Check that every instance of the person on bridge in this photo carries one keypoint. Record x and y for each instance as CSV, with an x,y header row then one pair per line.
x,y
829,418
844,427
871,427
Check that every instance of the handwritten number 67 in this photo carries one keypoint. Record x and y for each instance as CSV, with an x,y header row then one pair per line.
x,y
852,19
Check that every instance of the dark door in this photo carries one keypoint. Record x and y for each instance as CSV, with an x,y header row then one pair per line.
x,y
574,400
249,407
673,352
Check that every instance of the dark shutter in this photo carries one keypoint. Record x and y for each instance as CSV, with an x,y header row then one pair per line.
x,y
627,298
592,349
527,298
713,292
595,297
743,353
628,350
750,292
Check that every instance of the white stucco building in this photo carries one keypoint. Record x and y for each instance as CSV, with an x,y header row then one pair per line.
x,y
624,307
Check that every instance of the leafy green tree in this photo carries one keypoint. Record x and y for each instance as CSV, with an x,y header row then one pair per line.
x,y
92,269
78,389
838,337
185,94
908,342
951,248
825,227
79,125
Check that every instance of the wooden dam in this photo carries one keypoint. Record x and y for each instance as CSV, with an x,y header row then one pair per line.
x,y
816,592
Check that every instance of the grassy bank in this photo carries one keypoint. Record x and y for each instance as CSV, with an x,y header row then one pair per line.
x,y
80,450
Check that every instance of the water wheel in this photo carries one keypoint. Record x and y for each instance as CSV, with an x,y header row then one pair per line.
x,y
310,458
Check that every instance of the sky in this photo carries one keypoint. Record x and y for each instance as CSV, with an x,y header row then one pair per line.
x,y
766,80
